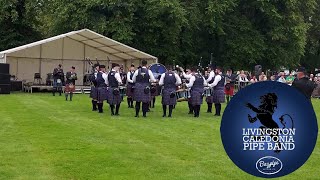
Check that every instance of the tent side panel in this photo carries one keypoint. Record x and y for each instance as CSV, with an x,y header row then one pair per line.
x,y
13,66
27,67
73,49
31,52
93,53
52,50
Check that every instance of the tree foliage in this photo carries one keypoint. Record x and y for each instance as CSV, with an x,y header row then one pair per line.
x,y
238,33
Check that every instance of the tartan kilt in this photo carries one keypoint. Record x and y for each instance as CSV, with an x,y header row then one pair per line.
x,y
166,99
113,99
196,96
130,90
209,99
68,89
102,93
218,96
229,92
139,94
94,92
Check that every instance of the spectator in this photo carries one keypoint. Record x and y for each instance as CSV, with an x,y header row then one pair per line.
x,y
273,78
282,79
242,77
290,79
262,77
254,79
311,77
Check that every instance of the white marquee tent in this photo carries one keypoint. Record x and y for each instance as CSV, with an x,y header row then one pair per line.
x,y
70,49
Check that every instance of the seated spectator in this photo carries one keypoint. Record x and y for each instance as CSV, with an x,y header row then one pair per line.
x,y
254,79
290,79
262,77
273,78
282,79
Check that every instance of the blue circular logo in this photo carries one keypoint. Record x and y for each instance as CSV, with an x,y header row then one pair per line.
x,y
269,129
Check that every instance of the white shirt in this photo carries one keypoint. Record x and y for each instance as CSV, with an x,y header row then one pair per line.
x,y
178,79
105,77
129,80
282,80
217,79
116,75
187,76
192,79
211,76
134,78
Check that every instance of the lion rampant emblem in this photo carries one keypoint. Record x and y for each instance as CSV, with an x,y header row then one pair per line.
x,y
265,111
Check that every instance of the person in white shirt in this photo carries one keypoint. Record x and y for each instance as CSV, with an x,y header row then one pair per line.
x,y
130,86
113,81
218,88
282,79
169,80
101,87
211,76
196,83
142,79
187,76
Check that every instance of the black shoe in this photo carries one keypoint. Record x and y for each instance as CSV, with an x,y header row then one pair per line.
x,y
169,116
117,114
136,116
164,115
94,109
144,116
209,111
190,112
217,115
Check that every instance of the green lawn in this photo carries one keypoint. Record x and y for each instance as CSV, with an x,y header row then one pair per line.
x,y
45,137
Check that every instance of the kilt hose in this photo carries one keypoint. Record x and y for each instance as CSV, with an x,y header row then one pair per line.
x,y
196,96
166,99
102,94
218,95
130,90
140,95
113,99
94,92
229,91
70,88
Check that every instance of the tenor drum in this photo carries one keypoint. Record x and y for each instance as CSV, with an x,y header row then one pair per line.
x,y
157,69
122,90
208,91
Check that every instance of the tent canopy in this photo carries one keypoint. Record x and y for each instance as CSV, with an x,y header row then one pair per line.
x,y
70,49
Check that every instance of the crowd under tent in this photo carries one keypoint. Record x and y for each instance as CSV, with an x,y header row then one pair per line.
x,y
70,49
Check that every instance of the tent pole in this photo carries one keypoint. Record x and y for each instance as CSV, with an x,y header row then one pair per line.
x,y
40,59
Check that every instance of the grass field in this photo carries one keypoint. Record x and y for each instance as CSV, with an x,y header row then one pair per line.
x,y
45,137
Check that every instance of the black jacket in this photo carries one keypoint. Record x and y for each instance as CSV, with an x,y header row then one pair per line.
x,y
305,86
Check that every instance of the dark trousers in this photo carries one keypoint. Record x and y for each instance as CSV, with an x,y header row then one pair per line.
x,y
164,108
218,109
145,108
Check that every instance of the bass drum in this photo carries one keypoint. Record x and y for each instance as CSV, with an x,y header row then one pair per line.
x,y
157,70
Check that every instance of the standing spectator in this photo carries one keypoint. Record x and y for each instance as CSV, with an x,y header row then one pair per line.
x,y
311,77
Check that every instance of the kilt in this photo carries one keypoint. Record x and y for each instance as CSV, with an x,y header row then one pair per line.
x,y
209,99
102,94
139,94
69,89
229,92
94,92
130,90
113,99
166,99
218,95
196,96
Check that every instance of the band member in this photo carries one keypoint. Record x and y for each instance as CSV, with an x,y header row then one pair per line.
x,y
142,78
187,76
154,93
196,83
58,78
102,92
229,87
94,87
113,81
209,80
123,76
71,77
211,76
218,88
169,81
303,84
130,86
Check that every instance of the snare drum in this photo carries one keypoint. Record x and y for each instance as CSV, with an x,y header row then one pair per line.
x,y
122,90
208,92
182,95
